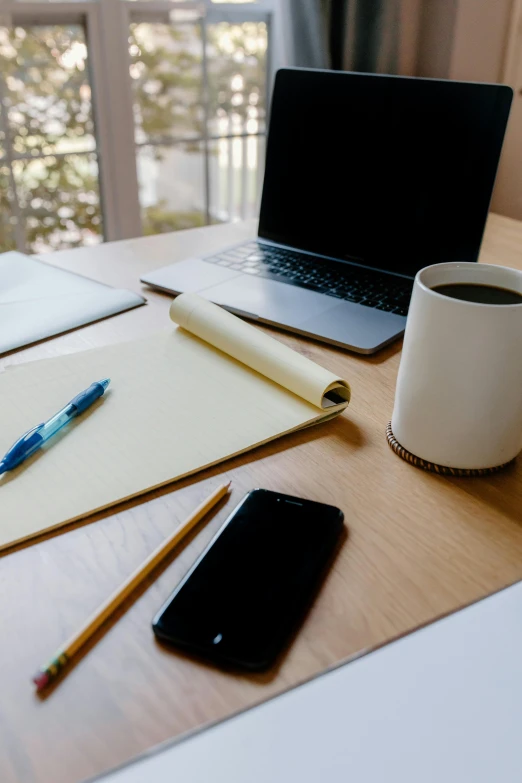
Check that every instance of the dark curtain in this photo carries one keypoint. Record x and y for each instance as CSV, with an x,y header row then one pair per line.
x,y
307,33
355,35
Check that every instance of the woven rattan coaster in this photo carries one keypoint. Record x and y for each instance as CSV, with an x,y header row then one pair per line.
x,y
442,470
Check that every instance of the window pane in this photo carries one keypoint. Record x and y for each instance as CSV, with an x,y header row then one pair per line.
x,y
237,77
47,89
60,201
7,225
172,187
220,1
166,72
236,171
46,2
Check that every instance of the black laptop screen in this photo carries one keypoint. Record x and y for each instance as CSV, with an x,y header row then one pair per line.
x,y
390,172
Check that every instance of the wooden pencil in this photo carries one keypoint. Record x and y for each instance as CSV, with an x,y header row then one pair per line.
x,y
62,657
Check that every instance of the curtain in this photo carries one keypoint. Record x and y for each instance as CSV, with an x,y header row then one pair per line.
x,y
350,35
305,33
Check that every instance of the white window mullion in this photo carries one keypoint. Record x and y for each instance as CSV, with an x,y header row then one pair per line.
x,y
108,30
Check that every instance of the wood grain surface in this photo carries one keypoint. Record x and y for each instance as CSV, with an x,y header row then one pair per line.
x,y
419,545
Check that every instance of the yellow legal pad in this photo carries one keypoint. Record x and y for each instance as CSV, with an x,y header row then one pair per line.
x,y
209,388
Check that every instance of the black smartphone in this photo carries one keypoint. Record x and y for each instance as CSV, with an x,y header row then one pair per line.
x,y
242,599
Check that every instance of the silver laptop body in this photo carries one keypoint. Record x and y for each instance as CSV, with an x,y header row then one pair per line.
x,y
306,312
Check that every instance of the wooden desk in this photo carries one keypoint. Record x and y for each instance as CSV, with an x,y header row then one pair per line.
x,y
420,545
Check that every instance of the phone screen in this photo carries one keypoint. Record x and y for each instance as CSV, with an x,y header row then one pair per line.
x,y
243,597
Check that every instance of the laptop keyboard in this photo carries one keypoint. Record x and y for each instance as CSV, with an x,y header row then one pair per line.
x,y
351,283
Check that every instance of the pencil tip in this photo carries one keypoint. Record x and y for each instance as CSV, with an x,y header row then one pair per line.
x,y
228,485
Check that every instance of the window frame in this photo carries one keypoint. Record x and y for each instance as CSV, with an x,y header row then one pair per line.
x,y
106,24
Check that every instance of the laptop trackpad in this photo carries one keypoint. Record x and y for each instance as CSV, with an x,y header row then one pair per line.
x,y
353,324
278,302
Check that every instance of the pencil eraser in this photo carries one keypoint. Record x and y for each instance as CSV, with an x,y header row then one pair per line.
x,y
41,679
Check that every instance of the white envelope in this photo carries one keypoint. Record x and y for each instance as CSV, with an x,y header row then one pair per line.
x,y
38,300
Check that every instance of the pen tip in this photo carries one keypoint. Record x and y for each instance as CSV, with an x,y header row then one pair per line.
x,y
2,468
105,382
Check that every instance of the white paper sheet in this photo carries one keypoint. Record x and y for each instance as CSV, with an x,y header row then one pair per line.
x,y
38,300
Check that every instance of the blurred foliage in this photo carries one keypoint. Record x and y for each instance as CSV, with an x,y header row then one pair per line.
x,y
159,219
48,115
237,72
59,200
166,79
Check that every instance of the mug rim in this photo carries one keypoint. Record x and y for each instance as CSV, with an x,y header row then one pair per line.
x,y
471,265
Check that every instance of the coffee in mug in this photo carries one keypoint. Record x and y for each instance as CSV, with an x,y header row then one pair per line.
x,y
480,294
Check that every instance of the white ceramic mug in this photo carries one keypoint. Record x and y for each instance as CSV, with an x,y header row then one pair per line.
x,y
458,400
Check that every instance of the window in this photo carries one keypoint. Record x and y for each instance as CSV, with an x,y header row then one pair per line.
x,y
123,117
49,170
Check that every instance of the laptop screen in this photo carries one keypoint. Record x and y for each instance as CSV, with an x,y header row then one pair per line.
x,y
391,172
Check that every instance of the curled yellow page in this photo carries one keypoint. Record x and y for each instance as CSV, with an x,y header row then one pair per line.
x,y
260,352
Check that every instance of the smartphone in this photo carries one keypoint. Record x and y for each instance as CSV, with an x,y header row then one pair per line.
x,y
243,598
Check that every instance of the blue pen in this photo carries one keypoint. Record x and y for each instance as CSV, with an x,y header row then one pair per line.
x,y
37,436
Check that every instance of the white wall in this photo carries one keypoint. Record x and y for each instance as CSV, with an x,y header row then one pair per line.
x,y
507,198
436,34
468,40
480,40
463,39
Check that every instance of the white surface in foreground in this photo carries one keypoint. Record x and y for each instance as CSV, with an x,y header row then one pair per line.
x,y
443,704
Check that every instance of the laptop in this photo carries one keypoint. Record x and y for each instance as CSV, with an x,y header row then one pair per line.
x,y
368,178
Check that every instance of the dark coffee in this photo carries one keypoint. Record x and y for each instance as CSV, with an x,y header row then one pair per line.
x,y
482,294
